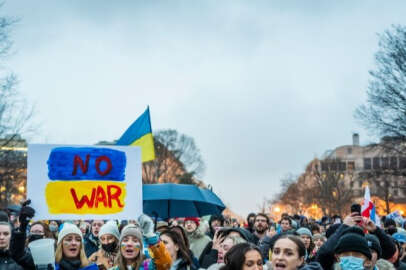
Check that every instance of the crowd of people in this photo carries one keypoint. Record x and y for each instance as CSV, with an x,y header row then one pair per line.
x,y
191,243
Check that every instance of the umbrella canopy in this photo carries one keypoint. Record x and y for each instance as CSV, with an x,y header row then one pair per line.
x,y
176,200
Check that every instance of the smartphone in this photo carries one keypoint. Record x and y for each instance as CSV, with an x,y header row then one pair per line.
x,y
356,208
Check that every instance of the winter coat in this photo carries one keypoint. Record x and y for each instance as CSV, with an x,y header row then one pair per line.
x,y
387,244
91,244
182,265
325,255
198,241
19,252
7,262
89,267
160,257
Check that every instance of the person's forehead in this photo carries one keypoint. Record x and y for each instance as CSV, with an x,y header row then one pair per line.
x,y
5,228
37,227
97,222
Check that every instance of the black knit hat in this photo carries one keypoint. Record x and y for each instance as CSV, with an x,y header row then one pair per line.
x,y
373,243
353,239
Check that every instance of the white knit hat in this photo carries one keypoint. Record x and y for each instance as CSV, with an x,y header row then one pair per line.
x,y
131,229
68,228
110,228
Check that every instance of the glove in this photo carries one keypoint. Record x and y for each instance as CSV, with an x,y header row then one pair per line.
x,y
146,225
26,214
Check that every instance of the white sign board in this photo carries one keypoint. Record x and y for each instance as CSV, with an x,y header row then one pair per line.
x,y
84,182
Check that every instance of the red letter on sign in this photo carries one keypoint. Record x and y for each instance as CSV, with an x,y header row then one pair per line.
x,y
78,161
115,195
101,197
109,166
83,200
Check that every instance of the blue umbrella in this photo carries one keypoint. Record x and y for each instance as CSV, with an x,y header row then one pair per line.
x,y
176,200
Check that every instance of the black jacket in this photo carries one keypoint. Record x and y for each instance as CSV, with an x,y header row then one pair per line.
x,y
183,265
7,262
209,256
19,252
91,244
386,242
325,255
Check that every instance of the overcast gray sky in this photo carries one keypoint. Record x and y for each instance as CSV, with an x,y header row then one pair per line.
x,y
262,86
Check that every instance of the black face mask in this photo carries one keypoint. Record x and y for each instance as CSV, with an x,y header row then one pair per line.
x,y
34,237
111,247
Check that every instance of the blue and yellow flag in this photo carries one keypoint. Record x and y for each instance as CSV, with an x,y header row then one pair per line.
x,y
140,134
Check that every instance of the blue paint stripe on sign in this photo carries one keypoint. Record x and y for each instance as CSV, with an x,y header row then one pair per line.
x,y
86,163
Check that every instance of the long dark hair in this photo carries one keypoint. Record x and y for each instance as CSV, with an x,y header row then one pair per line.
x,y
235,257
183,252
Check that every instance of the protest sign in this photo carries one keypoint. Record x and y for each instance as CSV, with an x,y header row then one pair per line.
x,y
84,182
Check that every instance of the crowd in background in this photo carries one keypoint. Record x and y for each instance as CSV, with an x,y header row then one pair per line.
x,y
292,242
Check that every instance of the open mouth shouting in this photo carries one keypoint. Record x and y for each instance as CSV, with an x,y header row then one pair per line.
x,y
280,266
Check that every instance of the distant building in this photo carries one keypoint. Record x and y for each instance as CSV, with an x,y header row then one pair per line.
x,y
382,169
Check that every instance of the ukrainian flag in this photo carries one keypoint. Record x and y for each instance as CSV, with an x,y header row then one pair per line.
x,y
140,134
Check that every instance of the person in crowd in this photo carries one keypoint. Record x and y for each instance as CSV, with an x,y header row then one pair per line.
x,y
261,225
84,227
289,253
401,238
39,230
91,240
181,231
235,223
354,225
180,255
131,245
215,222
197,239
375,249
54,227
3,216
210,252
70,252
306,236
352,250
318,241
286,224
250,222
390,226
244,256
109,236
223,248
314,228
6,261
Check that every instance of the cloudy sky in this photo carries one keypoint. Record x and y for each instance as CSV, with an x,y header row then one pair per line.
x,y
262,86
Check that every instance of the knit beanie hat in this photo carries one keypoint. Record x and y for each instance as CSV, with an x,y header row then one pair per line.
x,y
68,228
133,230
194,219
373,243
304,231
318,236
110,228
3,216
353,239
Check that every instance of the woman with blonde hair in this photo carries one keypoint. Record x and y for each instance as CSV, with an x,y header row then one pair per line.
x,y
70,253
131,255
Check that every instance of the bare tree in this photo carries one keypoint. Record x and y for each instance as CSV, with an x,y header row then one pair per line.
x,y
15,119
385,110
290,194
177,159
329,189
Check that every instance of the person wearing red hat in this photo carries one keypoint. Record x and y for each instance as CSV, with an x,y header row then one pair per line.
x,y
197,238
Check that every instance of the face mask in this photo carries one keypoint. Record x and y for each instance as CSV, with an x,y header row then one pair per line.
x,y
53,228
34,237
351,263
109,247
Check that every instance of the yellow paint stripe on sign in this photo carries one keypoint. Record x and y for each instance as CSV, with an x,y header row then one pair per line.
x,y
85,197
